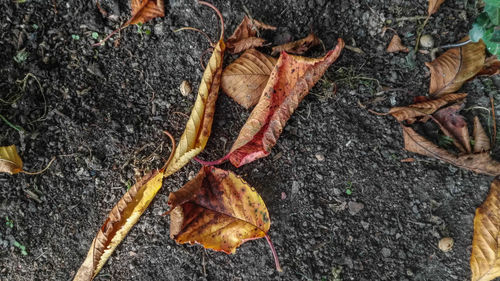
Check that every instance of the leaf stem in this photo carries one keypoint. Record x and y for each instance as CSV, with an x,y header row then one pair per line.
x,y
220,17
172,151
41,171
212,163
275,254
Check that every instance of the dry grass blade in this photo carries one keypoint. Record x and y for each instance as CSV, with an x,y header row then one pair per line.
x,y
396,45
485,261
481,140
245,78
298,47
10,162
454,67
434,6
412,112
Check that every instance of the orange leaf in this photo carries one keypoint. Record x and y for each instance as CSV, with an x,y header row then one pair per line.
x,y
120,220
244,38
484,260
218,210
245,78
434,6
298,47
479,162
396,45
290,81
412,112
454,67
455,124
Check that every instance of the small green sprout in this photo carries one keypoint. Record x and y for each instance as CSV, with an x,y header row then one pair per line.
x,y
35,26
95,35
75,37
444,141
128,184
9,222
21,56
21,247
147,31
348,190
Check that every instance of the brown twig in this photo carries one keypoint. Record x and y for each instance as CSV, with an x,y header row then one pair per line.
x,y
41,171
171,152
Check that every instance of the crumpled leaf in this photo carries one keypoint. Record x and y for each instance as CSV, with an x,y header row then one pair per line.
x,y
244,38
120,220
218,210
481,140
298,47
10,162
484,260
413,112
454,67
396,45
455,124
142,11
290,81
478,162
491,66
434,6
245,78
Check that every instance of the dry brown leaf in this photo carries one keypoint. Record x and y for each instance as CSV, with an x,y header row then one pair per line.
x,y
396,45
485,257
481,140
245,78
478,162
10,162
412,112
298,47
244,38
120,220
289,82
434,6
491,66
454,67
455,124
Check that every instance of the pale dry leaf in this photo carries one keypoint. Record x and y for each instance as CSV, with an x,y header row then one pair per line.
x,y
434,6
396,45
481,140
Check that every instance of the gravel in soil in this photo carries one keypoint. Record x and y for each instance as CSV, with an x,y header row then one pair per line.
x,y
338,195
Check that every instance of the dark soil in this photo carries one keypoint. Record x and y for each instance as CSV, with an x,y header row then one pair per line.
x,y
105,109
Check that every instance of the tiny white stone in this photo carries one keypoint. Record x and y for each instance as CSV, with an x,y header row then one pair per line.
x,y
185,88
446,244
426,41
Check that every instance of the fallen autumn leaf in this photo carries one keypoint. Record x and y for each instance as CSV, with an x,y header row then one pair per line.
x,y
244,38
298,47
396,45
10,162
434,6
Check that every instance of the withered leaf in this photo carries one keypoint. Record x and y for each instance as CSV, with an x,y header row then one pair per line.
x,y
491,66
142,11
396,45
245,78
298,47
244,38
478,162
120,220
484,260
10,162
289,82
412,112
434,6
454,67
481,140
218,210
455,124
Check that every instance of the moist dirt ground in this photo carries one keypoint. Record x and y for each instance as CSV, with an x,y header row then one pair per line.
x,y
339,197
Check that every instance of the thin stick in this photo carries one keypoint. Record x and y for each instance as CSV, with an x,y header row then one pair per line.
x,y
220,17
419,33
44,169
275,255
171,152
494,137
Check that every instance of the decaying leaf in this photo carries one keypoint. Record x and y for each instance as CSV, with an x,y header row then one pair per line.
x,y
289,82
298,47
454,67
485,257
434,6
477,162
120,220
218,210
412,112
244,38
245,78
481,140
142,11
491,66
396,45
199,125
455,125
10,162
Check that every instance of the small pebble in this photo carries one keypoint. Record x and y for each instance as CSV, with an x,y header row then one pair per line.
x,y
185,88
446,244
355,207
386,252
320,157
426,41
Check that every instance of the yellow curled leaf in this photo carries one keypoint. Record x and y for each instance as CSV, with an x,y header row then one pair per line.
x,y
120,220
10,162
199,125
